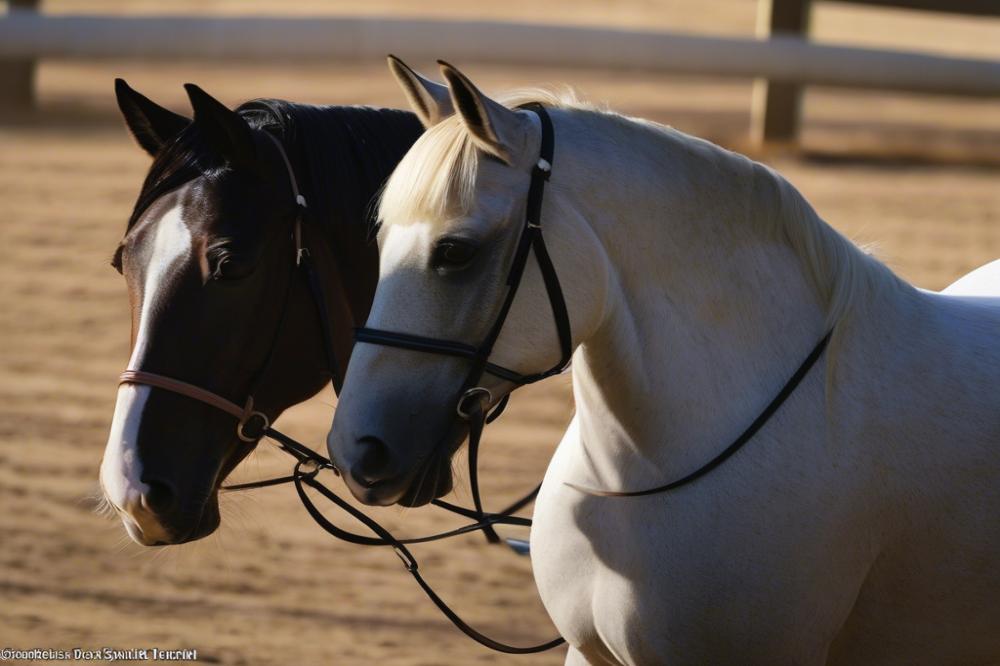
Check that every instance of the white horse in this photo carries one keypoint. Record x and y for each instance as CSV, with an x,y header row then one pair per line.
x,y
861,525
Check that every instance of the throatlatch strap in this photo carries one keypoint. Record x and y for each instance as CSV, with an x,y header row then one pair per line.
x,y
303,260
559,312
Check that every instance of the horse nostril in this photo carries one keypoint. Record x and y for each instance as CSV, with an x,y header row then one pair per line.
x,y
160,498
373,466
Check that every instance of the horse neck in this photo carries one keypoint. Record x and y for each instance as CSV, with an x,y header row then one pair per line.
x,y
708,312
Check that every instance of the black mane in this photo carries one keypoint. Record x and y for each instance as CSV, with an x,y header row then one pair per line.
x,y
341,155
348,152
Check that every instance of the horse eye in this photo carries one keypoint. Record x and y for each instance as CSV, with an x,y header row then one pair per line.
x,y
452,253
225,266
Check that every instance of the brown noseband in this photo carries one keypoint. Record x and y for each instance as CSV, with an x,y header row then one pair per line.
x,y
244,414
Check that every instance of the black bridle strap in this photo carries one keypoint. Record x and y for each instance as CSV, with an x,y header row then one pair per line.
x,y
531,238
559,310
419,343
415,343
737,444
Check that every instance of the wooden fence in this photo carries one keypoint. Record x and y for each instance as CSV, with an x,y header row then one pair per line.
x,y
782,60
777,104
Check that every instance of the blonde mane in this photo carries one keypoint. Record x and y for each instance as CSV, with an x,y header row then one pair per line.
x,y
436,180
841,273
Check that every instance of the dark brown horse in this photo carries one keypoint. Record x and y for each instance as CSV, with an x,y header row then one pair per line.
x,y
207,258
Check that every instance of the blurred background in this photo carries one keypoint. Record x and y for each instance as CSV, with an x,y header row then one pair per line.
x,y
914,172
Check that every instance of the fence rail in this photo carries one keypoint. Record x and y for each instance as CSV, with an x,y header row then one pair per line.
x,y
26,36
777,103
29,35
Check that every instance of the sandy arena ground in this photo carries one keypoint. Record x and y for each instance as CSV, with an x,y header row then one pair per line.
x,y
270,587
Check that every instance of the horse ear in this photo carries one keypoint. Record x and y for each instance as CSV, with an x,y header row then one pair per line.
x,y
227,133
150,124
495,128
430,100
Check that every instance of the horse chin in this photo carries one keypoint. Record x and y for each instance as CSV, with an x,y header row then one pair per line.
x,y
207,521
432,482
207,524
434,479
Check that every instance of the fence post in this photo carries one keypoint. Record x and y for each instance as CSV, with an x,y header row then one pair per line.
x,y
776,105
17,76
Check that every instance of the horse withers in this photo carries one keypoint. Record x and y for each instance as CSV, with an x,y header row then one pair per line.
x,y
857,526
208,257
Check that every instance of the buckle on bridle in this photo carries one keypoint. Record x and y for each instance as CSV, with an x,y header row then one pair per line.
x,y
476,392
251,438
310,467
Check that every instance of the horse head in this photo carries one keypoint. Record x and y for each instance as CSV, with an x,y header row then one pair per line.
x,y
208,258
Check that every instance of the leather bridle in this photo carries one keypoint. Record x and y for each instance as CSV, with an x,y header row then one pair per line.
x,y
253,425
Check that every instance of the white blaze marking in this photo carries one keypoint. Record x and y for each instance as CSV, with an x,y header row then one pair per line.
x,y
121,468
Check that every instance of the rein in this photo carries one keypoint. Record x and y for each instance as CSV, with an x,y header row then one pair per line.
x,y
737,444
253,425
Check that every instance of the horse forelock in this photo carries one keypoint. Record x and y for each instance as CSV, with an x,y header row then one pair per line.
x,y
186,157
342,155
